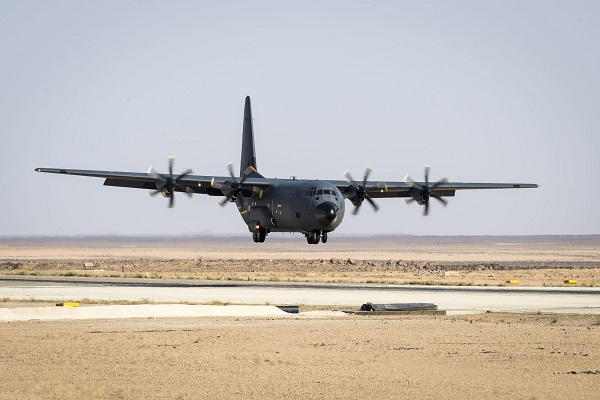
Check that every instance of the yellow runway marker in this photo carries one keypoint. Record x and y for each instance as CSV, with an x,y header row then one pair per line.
x,y
67,304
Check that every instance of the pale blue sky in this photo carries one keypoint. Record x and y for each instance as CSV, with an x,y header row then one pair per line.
x,y
483,91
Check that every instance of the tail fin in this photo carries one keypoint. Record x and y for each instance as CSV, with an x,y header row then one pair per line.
x,y
248,155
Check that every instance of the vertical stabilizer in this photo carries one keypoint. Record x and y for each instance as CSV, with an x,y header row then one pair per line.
x,y
248,155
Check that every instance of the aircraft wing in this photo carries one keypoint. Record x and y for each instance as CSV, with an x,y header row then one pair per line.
x,y
404,189
152,180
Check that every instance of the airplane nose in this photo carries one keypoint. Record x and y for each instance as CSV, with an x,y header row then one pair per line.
x,y
326,212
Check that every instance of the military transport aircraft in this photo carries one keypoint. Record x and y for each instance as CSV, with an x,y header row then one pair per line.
x,y
312,207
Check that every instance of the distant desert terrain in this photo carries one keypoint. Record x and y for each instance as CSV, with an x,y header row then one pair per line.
x,y
462,260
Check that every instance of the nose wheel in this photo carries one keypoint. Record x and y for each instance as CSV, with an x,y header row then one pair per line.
x,y
259,236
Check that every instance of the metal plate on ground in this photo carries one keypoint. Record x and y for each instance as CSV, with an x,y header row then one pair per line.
x,y
289,309
408,312
399,307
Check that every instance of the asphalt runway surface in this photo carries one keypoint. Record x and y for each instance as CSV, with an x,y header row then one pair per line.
x,y
454,299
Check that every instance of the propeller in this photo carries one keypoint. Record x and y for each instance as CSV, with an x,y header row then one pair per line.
x,y
233,187
359,193
166,184
422,192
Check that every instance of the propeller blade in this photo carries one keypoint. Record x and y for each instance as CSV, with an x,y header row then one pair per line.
x,y
230,169
184,174
171,162
247,173
159,189
349,178
359,193
224,201
250,169
438,183
426,170
372,203
409,181
155,175
366,176
172,200
426,209
440,199
218,185
408,201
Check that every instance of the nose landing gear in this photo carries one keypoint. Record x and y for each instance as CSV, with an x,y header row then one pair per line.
x,y
259,234
316,236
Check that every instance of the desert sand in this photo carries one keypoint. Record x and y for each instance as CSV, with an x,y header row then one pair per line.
x,y
506,356
483,356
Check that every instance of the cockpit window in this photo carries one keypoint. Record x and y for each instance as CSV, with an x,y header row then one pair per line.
x,y
319,192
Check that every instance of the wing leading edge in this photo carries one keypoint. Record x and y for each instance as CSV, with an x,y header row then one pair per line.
x,y
404,189
204,184
144,180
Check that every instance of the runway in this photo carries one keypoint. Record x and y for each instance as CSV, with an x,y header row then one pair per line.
x,y
454,299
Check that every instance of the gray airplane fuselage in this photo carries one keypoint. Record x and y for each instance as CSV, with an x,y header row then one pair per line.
x,y
292,205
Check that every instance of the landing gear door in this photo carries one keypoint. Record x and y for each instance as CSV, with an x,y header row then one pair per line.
x,y
277,207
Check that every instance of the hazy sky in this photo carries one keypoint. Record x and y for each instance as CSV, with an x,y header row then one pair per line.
x,y
483,91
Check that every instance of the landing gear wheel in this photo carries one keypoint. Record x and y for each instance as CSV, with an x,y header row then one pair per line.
x,y
259,236
324,237
313,237
262,234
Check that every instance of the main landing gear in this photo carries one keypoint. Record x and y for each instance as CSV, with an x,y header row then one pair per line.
x,y
315,236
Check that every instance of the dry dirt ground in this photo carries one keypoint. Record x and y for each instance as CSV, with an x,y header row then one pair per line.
x,y
483,356
533,261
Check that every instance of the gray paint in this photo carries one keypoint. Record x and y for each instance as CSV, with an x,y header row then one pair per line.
x,y
248,159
